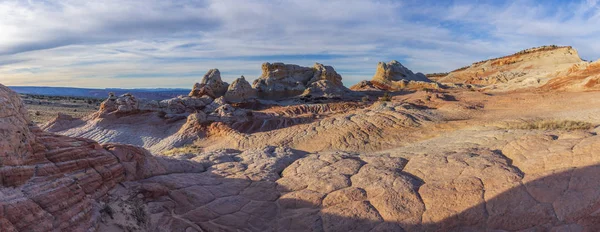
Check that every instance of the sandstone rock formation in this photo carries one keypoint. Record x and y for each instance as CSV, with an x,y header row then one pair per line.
x,y
49,182
528,68
580,77
428,186
395,71
124,103
284,80
240,90
393,76
200,90
211,85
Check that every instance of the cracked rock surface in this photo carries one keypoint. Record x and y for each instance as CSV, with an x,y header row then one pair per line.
x,y
316,176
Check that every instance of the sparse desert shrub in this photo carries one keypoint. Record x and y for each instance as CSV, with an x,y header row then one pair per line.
x,y
550,124
365,98
37,113
108,211
386,97
140,214
189,149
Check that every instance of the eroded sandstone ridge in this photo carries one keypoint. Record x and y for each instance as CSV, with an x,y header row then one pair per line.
x,y
49,182
213,84
240,90
580,77
528,68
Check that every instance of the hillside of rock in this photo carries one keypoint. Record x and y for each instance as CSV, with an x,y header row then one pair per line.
x,y
528,68
580,77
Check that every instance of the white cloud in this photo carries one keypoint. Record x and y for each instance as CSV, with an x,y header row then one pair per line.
x,y
163,44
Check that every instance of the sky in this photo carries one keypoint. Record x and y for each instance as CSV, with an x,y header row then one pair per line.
x,y
171,44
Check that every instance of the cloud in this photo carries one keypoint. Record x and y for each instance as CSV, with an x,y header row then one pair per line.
x,y
152,43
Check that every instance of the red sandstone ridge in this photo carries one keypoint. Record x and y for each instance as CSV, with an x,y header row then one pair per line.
x,y
49,182
580,77
528,68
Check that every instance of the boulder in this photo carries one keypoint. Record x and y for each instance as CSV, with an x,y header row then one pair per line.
x,y
240,91
200,90
212,83
323,72
214,105
325,88
279,80
123,103
196,118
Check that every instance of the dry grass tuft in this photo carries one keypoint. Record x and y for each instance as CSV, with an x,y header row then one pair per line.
x,y
386,97
550,124
189,149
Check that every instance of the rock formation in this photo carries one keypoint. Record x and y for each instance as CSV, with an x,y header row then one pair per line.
x,y
325,88
49,182
211,85
393,76
124,103
528,68
395,71
280,80
580,77
200,90
16,143
240,90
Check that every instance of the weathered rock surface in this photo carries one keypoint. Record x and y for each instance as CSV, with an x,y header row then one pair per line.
x,y
49,182
123,104
528,68
200,90
395,71
212,81
580,77
280,80
240,90
393,76
15,145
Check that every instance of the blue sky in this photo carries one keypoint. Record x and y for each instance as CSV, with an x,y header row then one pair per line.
x,y
155,43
